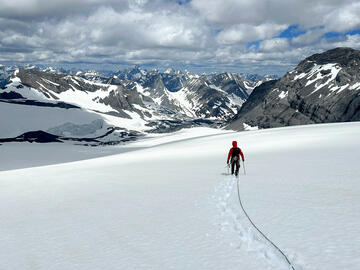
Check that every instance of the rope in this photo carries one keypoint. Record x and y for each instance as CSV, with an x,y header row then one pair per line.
x,y
242,207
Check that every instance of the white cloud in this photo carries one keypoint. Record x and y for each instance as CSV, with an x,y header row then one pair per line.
x,y
274,45
311,37
230,12
37,10
205,33
305,12
343,19
247,33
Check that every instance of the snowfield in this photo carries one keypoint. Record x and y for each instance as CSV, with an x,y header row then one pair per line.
x,y
168,203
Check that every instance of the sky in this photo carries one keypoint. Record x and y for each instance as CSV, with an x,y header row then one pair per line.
x,y
248,36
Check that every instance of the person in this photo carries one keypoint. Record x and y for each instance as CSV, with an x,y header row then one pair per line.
x,y
234,158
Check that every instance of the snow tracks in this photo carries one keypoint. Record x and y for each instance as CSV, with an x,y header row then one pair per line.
x,y
235,221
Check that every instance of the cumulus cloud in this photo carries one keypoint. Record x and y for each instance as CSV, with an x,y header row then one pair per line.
x,y
347,18
274,45
247,33
206,34
305,12
37,10
311,37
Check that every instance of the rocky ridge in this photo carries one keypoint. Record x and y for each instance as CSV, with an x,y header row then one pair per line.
x,y
133,101
323,88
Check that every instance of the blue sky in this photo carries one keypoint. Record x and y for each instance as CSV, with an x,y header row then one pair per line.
x,y
295,31
292,31
199,35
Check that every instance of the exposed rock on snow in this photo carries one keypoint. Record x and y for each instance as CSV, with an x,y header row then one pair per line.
x,y
323,88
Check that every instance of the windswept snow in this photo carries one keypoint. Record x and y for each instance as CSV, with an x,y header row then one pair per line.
x,y
283,94
181,98
342,88
355,86
72,130
248,127
217,88
319,72
40,118
171,205
86,99
26,92
45,80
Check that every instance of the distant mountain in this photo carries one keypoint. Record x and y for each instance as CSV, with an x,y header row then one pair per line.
x,y
256,77
216,97
323,88
93,76
90,107
5,73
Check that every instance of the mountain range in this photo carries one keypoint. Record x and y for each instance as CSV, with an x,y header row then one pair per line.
x,y
90,107
93,107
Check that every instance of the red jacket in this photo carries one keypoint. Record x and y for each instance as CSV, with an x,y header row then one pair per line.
x,y
234,143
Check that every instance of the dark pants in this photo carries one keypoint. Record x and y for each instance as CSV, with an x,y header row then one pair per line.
x,y
235,164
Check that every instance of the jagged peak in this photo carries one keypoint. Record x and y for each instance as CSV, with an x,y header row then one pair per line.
x,y
340,55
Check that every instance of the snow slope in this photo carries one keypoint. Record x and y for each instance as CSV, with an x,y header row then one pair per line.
x,y
172,205
25,118
21,118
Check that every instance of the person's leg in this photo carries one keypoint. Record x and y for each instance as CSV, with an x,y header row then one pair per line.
x,y
237,167
232,166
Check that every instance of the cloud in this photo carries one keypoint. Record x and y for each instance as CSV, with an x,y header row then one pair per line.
x,y
274,45
38,10
344,19
208,34
311,37
247,33
304,12
123,33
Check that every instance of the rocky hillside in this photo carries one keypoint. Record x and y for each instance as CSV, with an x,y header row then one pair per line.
x,y
323,88
91,106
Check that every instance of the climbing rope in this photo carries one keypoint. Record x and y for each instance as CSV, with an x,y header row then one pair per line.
x,y
242,207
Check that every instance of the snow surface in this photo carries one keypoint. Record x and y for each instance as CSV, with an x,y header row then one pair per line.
x,y
173,206
26,92
181,98
24,155
316,70
355,86
248,127
86,99
17,119
283,94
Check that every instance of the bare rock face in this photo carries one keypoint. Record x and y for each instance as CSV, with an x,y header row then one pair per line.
x,y
57,83
323,88
176,92
231,83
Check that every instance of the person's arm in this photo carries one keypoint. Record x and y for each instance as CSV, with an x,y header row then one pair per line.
x,y
242,155
229,155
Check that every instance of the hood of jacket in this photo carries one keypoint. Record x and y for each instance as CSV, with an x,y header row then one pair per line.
x,y
234,144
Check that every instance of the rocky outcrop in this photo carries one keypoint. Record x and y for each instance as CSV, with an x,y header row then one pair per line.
x,y
231,83
50,82
323,88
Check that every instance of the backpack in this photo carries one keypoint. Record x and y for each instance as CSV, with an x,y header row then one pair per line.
x,y
235,152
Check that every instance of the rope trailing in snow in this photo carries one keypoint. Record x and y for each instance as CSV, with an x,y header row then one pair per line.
x,y
242,207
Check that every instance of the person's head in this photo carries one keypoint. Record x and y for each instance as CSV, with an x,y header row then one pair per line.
x,y
234,143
